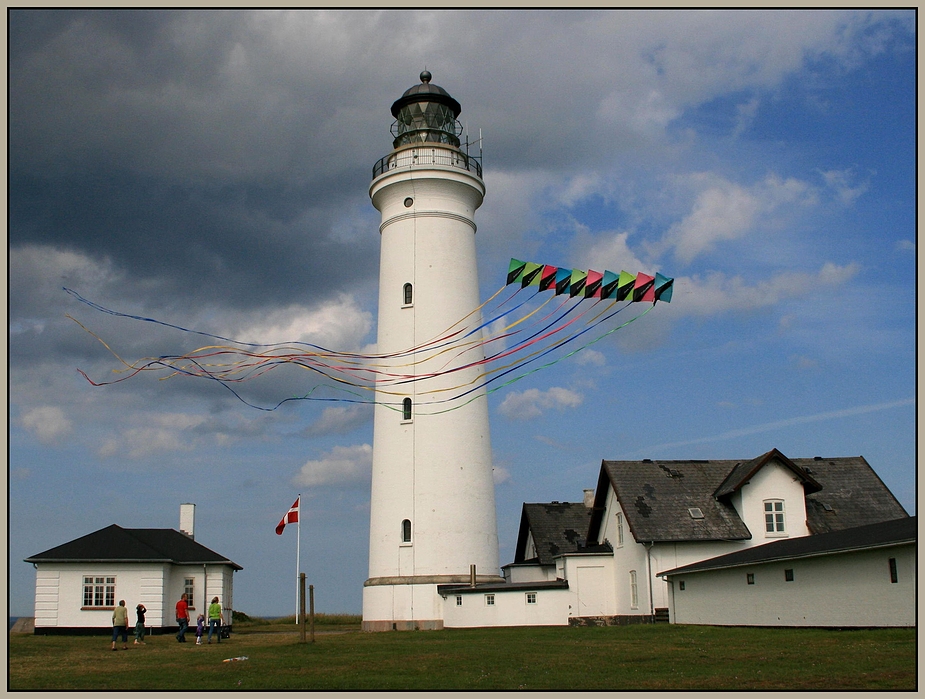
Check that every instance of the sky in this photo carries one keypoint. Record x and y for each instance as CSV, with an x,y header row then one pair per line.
x,y
210,169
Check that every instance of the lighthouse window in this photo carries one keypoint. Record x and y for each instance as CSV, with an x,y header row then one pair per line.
x,y
407,291
406,409
406,531
408,202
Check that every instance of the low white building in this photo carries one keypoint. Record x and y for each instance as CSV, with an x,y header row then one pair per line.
x,y
859,577
77,584
597,562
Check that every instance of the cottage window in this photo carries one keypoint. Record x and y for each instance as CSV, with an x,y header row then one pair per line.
x,y
531,598
458,600
408,294
188,588
489,600
774,518
634,592
406,409
406,531
619,529
99,591
788,574
894,577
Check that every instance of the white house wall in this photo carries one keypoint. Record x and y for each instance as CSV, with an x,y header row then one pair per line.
x,y
774,481
841,590
529,572
510,609
59,592
591,584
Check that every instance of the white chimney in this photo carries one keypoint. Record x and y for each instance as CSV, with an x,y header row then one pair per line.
x,y
187,519
589,497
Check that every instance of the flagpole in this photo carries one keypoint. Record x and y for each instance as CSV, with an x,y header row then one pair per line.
x,y
298,541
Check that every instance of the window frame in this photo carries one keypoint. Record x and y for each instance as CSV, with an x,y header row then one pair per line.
x,y
406,532
406,410
530,598
101,589
894,572
458,600
407,295
788,574
775,518
489,599
189,588
619,530
634,590
749,578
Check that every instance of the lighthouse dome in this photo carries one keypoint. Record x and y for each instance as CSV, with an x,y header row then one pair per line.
x,y
426,113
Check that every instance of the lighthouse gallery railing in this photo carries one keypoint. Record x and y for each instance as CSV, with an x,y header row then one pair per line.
x,y
410,157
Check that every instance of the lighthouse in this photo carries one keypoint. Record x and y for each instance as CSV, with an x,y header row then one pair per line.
x,y
432,506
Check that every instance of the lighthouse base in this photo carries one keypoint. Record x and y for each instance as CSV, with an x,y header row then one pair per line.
x,y
409,603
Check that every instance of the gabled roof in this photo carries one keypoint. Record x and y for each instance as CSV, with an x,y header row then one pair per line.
x,y
852,495
743,472
657,496
557,528
114,544
892,533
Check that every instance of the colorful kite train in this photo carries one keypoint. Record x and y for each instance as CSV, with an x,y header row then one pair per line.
x,y
514,336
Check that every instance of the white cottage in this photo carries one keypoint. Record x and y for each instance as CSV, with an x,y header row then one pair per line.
x,y
78,584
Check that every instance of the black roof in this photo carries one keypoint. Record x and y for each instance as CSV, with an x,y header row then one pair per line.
x,y
463,588
656,496
891,533
426,92
557,528
115,544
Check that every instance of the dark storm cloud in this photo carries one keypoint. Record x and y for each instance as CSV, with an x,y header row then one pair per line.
x,y
193,157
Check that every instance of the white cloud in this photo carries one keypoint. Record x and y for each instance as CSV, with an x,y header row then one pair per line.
x,y
530,404
842,182
499,474
905,246
340,466
724,210
339,420
718,293
48,423
339,324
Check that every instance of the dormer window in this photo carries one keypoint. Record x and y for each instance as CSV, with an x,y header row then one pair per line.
x,y
774,522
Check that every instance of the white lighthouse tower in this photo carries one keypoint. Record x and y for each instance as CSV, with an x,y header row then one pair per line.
x,y
432,511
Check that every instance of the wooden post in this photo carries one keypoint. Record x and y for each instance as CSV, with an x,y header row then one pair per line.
x,y
311,607
301,619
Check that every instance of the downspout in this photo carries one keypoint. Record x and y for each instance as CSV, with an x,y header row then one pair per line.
x,y
649,576
205,591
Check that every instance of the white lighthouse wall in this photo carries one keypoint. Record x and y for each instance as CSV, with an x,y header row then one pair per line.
x,y
434,469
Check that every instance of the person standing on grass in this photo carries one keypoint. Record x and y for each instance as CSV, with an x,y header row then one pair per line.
x,y
215,619
182,618
140,624
120,625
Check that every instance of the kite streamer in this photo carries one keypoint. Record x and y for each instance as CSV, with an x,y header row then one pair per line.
x,y
522,331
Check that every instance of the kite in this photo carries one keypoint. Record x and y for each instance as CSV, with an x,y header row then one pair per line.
x,y
518,332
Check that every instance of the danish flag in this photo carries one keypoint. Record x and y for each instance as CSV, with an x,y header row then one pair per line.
x,y
289,517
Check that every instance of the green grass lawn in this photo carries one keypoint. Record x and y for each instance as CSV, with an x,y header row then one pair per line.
x,y
655,657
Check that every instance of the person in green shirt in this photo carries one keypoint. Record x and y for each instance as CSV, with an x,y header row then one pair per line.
x,y
120,624
215,619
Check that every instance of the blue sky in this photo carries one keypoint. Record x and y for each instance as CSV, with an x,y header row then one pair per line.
x,y
211,170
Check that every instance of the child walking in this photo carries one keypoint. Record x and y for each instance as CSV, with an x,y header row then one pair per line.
x,y
200,625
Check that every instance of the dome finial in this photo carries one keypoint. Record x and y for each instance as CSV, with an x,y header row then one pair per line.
x,y
425,76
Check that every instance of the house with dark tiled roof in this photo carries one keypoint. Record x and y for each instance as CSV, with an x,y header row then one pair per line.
x,y
598,562
858,577
77,584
